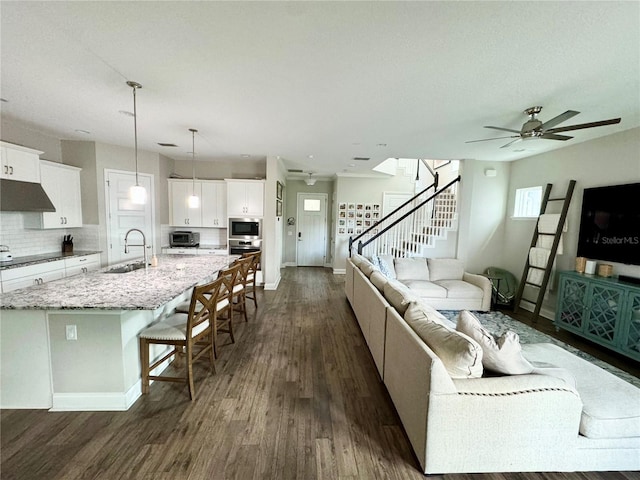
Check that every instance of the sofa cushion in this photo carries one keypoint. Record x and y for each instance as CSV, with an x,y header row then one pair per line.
x,y
611,406
386,265
425,288
357,259
420,309
379,280
460,289
414,268
368,268
460,355
398,295
502,356
445,269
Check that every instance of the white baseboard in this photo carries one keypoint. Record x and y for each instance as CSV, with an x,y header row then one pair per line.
x,y
94,402
273,286
544,312
290,264
339,271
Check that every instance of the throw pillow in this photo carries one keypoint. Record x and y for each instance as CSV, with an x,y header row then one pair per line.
x,y
460,355
502,356
378,280
386,265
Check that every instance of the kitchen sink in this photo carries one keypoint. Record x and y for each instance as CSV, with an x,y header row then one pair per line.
x,y
129,267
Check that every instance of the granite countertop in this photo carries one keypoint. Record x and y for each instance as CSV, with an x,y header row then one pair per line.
x,y
43,258
144,289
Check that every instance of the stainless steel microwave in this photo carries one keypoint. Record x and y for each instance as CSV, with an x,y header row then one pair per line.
x,y
245,228
184,239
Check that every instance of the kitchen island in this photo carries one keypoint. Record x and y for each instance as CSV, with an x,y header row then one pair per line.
x,y
72,344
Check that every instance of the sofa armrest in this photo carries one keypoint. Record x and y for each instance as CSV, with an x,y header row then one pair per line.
x,y
483,283
536,416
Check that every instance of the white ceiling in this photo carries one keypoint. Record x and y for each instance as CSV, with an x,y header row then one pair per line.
x,y
334,80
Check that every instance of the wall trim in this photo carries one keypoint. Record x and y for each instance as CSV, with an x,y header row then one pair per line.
x,y
544,312
274,285
339,271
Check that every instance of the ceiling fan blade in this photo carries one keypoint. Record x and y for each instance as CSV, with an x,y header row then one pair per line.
x,y
495,138
553,136
511,142
504,129
559,119
583,125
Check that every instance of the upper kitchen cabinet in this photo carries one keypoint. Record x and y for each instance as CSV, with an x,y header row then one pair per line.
x,y
212,212
62,185
180,215
19,163
245,198
214,203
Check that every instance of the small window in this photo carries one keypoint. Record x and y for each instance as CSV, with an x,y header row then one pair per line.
x,y
311,205
527,203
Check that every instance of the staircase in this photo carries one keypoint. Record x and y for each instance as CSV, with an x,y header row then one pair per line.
x,y
429,229
414,227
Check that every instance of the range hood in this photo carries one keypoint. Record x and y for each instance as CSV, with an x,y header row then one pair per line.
x,y
16,196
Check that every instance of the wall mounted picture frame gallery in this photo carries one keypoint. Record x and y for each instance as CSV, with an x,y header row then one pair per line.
x,y
354,218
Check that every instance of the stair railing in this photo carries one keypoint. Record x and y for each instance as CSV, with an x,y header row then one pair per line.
x,y
396,231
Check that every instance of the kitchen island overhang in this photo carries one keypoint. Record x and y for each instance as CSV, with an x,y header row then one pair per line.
x,y
100,370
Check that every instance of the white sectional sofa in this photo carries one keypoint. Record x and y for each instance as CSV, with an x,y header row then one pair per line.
x,y
566,414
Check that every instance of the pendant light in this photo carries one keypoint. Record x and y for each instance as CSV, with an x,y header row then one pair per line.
x,y
194,200
137,193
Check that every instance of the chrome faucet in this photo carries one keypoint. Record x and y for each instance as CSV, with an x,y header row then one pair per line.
x,y
143,245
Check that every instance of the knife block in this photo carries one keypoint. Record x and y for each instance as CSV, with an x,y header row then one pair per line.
x,y
67,247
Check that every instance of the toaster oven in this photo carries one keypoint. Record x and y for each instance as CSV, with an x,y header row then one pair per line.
x,y
184,239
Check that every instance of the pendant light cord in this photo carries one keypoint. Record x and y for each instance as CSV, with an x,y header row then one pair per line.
x,y
135,85
193,160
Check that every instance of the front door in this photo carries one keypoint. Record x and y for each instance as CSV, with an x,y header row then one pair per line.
x,y
312,229
123,215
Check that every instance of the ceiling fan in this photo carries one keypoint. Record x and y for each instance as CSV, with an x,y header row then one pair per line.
x,y
534,128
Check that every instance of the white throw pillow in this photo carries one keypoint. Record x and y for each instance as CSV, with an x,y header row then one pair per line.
x,y
502,356
460,355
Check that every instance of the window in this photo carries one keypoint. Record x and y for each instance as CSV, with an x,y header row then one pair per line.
x,y
311,205
527,203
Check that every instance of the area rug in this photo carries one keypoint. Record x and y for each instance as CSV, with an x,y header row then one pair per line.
x,y
498,323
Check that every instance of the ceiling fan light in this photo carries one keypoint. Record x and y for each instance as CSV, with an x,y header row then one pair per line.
x,y
138,195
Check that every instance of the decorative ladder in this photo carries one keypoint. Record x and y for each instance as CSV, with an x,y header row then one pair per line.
x,y
552,255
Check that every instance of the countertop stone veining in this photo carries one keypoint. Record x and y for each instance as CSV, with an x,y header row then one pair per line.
x,y
144,289
25,261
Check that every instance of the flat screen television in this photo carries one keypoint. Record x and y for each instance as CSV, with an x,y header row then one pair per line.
x,y
610,224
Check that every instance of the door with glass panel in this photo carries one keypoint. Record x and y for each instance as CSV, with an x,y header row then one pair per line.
x,y
312,230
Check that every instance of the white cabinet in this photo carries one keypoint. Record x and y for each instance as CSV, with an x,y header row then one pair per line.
x,y
214,204
21,277
212,211
245,198
19,163
62,185
180,251
83,264
180,214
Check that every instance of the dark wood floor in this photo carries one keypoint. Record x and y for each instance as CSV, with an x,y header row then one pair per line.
x,y
296,397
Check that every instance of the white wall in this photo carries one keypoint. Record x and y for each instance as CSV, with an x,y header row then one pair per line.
x,y
482,204
360,189
272,225
610,160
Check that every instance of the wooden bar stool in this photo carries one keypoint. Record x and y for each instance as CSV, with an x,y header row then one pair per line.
x,y
250,287
193,332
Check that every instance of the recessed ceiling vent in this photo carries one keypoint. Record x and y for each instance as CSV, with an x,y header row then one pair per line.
x,y
294,170
167,144
362,159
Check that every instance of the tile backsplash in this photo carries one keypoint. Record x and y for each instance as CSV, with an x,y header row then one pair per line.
x,y
23,242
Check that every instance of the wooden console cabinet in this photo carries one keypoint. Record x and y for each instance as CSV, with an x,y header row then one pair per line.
x,y
603,310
